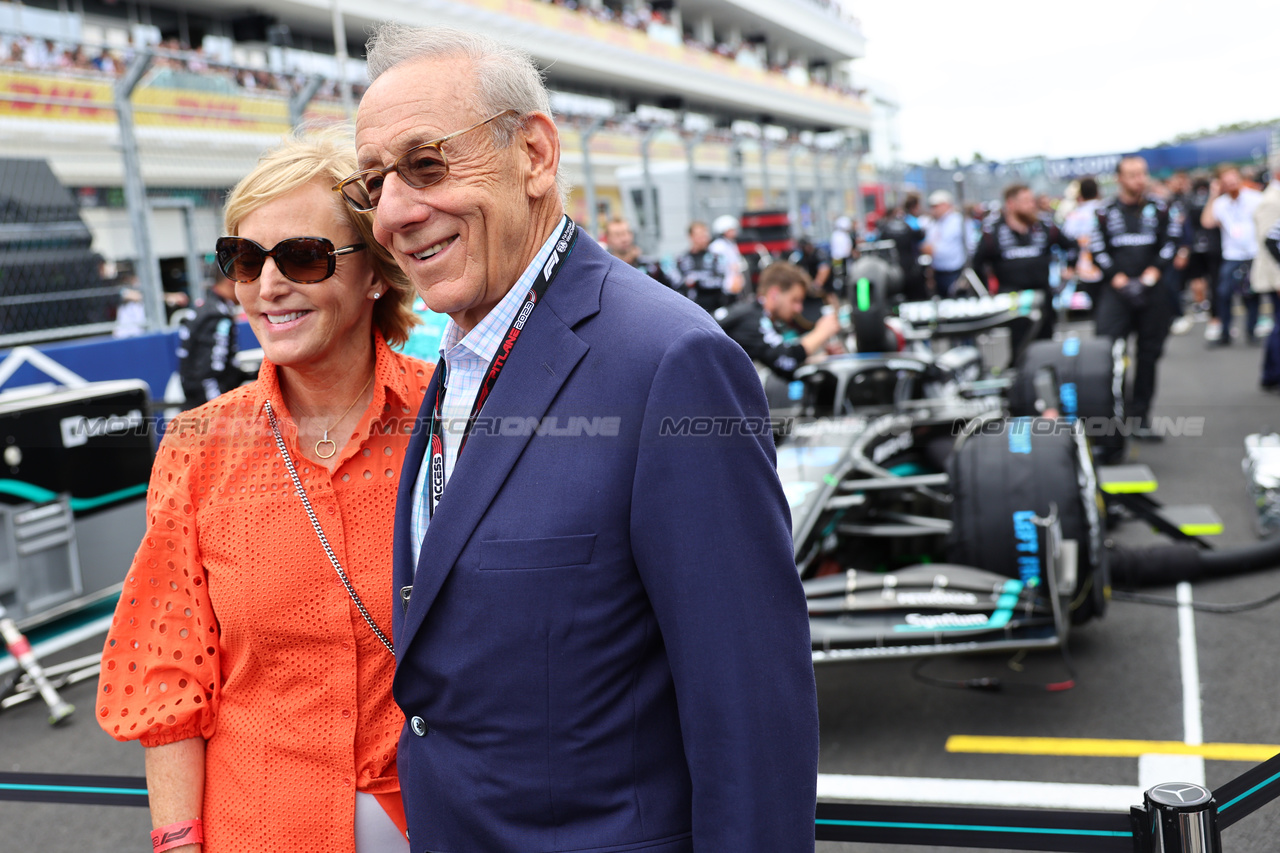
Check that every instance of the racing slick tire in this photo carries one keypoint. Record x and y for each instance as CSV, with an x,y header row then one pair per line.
x,y
1006,471
1091,387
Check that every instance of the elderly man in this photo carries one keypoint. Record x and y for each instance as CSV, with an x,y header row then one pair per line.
x,y
602,641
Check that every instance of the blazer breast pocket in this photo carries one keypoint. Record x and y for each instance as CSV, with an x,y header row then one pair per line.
x,y
549,552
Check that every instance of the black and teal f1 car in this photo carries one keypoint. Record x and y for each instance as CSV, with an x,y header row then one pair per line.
x,y
939,509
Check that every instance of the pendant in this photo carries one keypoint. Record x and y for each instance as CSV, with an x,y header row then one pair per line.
x,y
333,447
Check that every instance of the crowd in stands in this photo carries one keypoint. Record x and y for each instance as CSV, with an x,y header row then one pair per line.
x,y
657,23
40,54
45,55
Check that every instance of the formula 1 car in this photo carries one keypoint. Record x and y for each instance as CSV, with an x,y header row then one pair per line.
x,y
941,507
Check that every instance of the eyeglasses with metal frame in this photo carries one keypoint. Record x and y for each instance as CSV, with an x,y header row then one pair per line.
x,y
419,167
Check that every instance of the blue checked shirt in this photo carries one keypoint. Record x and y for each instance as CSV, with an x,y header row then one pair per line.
x,y
466,359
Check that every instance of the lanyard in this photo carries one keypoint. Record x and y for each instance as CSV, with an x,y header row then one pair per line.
x,y
546,275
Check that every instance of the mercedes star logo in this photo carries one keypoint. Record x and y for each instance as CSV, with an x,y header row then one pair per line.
x,y
1179,792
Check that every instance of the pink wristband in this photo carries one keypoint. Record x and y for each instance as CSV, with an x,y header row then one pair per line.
x,y
177,835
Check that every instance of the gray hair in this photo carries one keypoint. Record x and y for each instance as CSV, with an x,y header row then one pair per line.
x,y
506,78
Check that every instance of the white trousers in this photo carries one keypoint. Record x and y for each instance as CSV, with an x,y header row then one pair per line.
x,y
375,832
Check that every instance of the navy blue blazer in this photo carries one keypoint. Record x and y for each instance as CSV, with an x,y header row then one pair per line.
x,y
606,644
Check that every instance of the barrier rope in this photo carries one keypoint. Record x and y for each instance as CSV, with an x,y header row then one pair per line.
x,y
67,788
1002,829
940,826
1248,792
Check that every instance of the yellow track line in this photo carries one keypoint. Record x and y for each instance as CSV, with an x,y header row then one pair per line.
x,y
1102,748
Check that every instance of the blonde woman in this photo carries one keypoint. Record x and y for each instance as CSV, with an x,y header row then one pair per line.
x,y
250,650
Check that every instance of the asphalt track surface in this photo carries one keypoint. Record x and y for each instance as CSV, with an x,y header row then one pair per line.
x,y
879,721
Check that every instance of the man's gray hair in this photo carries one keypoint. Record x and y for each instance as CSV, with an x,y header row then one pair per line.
x,y
506,78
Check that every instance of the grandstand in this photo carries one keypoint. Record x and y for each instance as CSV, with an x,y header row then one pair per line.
x,y
762,88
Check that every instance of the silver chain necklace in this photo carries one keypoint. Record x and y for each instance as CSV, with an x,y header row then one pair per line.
x,y
315,523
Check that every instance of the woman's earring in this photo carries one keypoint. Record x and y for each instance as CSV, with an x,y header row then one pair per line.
x,y
377,294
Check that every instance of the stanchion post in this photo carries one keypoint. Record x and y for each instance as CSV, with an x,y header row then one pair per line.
x,y
1182,818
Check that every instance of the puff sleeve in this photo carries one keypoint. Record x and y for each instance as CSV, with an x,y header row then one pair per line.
x,y
160,666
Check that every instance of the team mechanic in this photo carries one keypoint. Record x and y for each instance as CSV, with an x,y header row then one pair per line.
x,y
701,272
1133,244
1017,249
755,324
207,346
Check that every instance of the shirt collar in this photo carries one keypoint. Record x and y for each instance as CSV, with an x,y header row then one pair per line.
x,y
391,382
483,340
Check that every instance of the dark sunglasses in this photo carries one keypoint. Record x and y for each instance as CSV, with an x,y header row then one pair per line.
x,y
305,260
419,167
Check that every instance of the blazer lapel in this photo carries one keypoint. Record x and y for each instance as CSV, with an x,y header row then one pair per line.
x,y
546,354
401,550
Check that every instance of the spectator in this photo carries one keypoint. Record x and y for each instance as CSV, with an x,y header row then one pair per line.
x,y
131,315
1205,259
207,346
725,245
1078,227
701,271
269,719
1266,269
1231,208
842,245
945,242
618,703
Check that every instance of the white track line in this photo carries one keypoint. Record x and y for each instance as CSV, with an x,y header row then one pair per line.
x,y
1192,724
979,792
1153,770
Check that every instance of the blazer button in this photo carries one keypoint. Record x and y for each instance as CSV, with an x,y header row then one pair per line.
x,y
419,726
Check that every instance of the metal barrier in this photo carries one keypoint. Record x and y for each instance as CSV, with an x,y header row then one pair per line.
x,y
1174,817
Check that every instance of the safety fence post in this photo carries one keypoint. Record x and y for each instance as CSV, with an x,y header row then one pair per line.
x,y
793,189
1182,818
821,221
300,99
588,178
194,257
691,143
738,187
135,193
649,204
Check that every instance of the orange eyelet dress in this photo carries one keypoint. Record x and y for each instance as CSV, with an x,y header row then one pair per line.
x,y
233,625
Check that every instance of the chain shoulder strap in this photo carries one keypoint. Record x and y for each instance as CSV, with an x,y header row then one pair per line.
x,y
315,523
